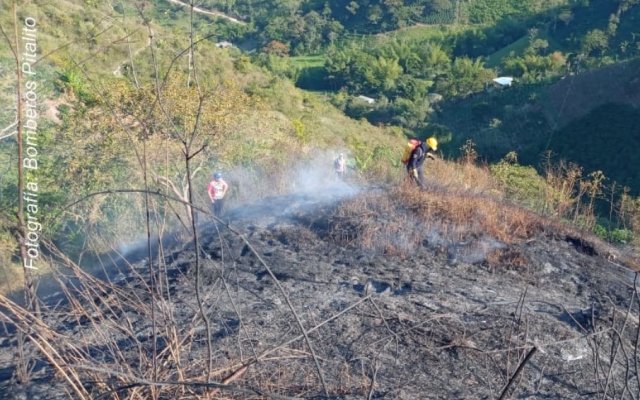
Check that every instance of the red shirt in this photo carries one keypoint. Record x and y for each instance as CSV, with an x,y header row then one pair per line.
x,y
217,189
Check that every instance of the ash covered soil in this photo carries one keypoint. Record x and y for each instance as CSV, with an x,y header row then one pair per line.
x,y
449,315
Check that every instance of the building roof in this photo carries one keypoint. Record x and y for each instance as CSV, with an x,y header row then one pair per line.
x,y
503,80
367,99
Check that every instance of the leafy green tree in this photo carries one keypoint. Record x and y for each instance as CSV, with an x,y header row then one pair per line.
x,y
286,8
350,67
467,76
537,46
312,36
352,7
302,34
533,67
412,88
382,74
277,29
402,14
337,66
375,14
595,42
332,30
436,61
405,53
410,114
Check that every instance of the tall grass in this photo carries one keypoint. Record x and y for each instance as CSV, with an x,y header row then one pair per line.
x,y
507,202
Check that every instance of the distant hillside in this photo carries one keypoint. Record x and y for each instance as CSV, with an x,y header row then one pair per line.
x,y
603,29
586,118
577,95
606,138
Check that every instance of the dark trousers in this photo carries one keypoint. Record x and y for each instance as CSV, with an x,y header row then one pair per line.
x,y
419,180
216,207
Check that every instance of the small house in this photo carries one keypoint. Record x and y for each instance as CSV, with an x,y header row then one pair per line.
x,y
224,45
366,99
503,81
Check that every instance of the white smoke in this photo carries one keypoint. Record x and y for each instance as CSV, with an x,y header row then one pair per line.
x,y
309,182
316,176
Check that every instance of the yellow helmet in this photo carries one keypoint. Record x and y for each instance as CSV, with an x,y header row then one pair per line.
x,y
433,143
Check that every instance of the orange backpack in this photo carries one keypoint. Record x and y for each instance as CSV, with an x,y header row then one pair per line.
x,y
411,145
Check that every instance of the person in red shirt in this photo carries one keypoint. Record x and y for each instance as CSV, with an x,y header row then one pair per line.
x,y
217,188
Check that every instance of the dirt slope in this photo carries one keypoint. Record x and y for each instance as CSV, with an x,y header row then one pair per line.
x,y
451,319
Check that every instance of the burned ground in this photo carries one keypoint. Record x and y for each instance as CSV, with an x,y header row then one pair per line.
x,y
392,306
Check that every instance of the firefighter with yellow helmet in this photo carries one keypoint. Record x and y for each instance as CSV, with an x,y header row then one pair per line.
x,y
415,156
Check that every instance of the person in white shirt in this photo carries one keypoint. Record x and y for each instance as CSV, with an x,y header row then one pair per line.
x,y
340,166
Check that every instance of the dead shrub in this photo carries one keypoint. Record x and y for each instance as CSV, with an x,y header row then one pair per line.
x,y
481,214
398,221
374,221
466,177
509,258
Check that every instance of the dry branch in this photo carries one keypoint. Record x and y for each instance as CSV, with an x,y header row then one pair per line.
x,y
505,391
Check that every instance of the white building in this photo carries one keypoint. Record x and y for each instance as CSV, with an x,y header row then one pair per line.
x,y
503,80
224,45
367,99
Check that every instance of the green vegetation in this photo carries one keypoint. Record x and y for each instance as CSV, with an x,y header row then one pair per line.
x,y
420,33
307,61
427,65
516,48
521,183
310,72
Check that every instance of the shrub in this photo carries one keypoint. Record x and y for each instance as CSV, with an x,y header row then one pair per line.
x,y
629,214
617,236
520,183
300,130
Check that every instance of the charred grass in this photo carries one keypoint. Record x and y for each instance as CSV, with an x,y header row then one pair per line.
x,y
144,338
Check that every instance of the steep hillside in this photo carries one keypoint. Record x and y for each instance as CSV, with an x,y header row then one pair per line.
x,y
343,294
98,113
308,286
70,35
